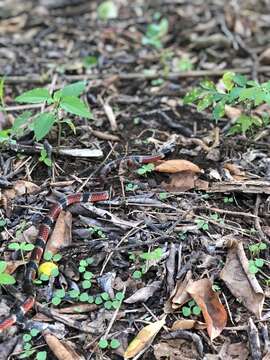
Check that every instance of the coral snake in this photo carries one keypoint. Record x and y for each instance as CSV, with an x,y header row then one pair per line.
x,y
46,226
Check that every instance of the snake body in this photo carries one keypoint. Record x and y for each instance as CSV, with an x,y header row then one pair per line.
x,y
46,228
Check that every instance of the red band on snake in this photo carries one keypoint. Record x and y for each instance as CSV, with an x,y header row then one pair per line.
x,y
46,227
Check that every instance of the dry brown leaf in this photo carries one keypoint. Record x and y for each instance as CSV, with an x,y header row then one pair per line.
x,y
175,166
242,284
179,295
265,57
232,112
12,265
212,309
233,351
144,293
187,324
201,184
62,350
235,172
61,235
181,181
177,349
21,187
144,338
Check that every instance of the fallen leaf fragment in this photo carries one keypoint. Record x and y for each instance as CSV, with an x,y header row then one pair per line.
x,y
212,309
144,293
179,295
181,181
144,338
12,265
232,112
21,187
231,351
176,349
62,350
61,235
187,324
242,284
175,166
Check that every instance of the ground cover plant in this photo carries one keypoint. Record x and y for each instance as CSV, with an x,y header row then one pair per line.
x,y
169,259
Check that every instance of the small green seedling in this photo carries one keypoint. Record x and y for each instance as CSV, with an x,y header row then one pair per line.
x,y
191,309
105,344
217,218
65,100
202,224
154,255
155,33
148,168
163,196
22,247
96,230
255,265
5,279
131,187
228,200
44,158
107,10
184,64
58,296
255,249
236,90
28,347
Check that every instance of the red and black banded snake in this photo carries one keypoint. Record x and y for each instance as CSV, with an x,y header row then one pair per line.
x,y
48,222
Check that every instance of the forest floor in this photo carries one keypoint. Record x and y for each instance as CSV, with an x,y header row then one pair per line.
x,y
184,251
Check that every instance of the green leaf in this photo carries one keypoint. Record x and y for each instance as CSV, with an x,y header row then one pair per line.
x,y
2,93
205,102
105,296
120,296
74,293
103,343
34,332
259,263
98,300
262,246
116,304
75,106
86,284
245,122
219,111
34,96
4,135
196,310
84,297
88,275
252,267
56,300
48,255
57,257
90,61
208,85
240,80
42,355
108,305
114,344
20,122
227,80
6,279
3,266
192,96
247,93
27,337
83,263
107,10
27,247
42,125
186,311
91,299
75,89
137,274
60,293
14,246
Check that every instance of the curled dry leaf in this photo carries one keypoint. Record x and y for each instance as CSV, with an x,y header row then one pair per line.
x,y
144,293
232,112
212,309
175,166
179,296
242,284
144,338
62,350
187,324
235,172
61,235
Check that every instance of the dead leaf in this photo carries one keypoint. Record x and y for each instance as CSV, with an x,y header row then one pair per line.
x,y
233,351
61,349
61,235
179,295
12,265
265,57
21,187
144,293
242,284
187,324
181,181
213,311
175,166
232,112
235,172
201,184
144,338
177,349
